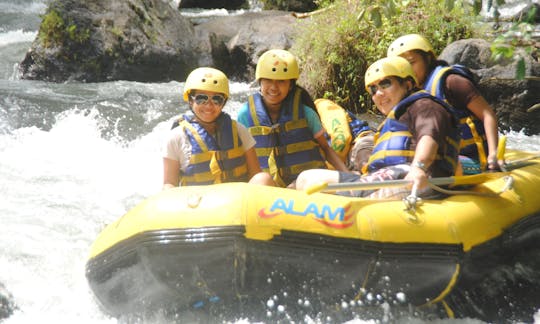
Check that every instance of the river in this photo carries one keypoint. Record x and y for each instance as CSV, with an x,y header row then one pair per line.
x,y
73,158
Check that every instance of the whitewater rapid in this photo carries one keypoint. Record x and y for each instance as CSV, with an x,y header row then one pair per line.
x,y
73,158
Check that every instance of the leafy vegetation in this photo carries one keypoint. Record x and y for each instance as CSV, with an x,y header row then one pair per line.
x,y
54,31
336,47
519,36
51,29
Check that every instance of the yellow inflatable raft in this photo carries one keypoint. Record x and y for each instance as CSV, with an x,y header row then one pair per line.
x,y
230,245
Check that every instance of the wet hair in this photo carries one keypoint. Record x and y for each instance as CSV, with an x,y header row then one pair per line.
x,y
429,57
408,78
306,97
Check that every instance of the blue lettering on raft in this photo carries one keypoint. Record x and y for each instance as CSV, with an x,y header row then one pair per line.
x,y
311,208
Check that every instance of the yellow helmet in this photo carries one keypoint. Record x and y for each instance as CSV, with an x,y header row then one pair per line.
x,y
389,66
208,79
277,64
408,43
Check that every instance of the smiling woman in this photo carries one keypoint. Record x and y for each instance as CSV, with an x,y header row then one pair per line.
x,y
418,139
208,146
288,133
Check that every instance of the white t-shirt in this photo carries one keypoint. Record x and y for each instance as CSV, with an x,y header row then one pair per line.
x,y
178,147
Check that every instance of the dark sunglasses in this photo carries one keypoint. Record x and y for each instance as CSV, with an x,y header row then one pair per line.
x,y
383,84
202,99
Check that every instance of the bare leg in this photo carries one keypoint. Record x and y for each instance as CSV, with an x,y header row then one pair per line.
x,y
312,177
262,178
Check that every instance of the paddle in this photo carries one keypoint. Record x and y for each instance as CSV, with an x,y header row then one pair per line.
x,y
501,148
516,164
457,180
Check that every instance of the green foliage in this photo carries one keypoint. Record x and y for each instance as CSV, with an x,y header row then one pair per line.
x,y
54,31
519,36
51,29
336,47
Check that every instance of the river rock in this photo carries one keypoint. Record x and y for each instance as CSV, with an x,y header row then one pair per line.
x,y
7,306
214,4
513,100
234,43
290,5
519,10
101,40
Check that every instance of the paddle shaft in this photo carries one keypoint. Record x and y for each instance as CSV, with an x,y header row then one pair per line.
x,y
457,180
384,184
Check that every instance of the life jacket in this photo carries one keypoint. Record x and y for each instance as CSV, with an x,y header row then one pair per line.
x,y
473,135
286,148
393,140
213,160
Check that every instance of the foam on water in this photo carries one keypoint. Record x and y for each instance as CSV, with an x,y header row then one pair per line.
x,y
16,36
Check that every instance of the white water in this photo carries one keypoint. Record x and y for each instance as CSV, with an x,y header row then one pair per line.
x,y
73,158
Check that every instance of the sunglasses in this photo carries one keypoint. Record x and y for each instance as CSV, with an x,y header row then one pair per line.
x,y
383,84
202,99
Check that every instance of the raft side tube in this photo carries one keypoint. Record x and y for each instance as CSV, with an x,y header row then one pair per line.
x,y
172,269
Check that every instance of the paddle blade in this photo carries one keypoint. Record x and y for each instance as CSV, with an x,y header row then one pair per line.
x,y
316,188
501,148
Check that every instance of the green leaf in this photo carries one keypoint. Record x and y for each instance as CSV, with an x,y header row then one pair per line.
x,y
391,8
502,50
361,14
376,17
520,69
449,5
531,15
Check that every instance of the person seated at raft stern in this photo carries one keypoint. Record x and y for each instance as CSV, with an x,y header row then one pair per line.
x,y
289,135
207,146
418,139
456,85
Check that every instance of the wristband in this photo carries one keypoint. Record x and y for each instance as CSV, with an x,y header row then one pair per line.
x,y
420,165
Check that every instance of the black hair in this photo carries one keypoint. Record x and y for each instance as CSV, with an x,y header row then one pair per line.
x,y
408,78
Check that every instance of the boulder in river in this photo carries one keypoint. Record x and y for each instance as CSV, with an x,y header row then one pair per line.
x,y
102,40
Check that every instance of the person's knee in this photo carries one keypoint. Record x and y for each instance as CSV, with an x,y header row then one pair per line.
x,y
303,179
361,151
312,177
299,183
262,178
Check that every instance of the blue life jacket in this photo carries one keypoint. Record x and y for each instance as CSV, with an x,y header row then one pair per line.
x,y
473,135
357,126
393,140
213,160
287,147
